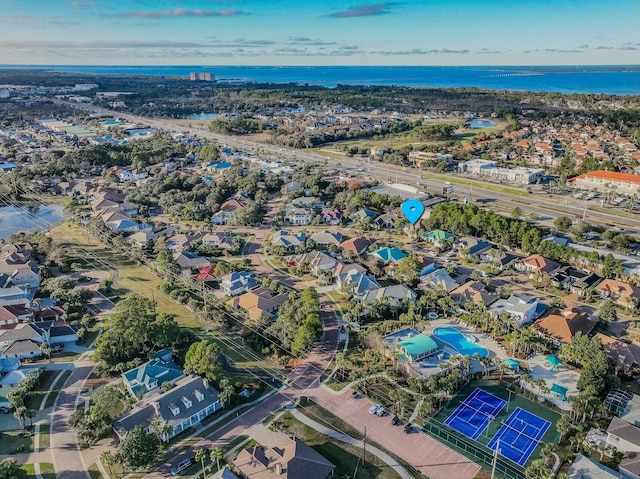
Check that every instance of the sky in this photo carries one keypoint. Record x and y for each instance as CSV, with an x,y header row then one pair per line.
x,y
320,32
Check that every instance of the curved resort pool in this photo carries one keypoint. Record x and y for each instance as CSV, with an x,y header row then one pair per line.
x,y
457,341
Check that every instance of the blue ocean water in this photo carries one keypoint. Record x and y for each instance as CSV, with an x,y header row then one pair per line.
x,y
618,80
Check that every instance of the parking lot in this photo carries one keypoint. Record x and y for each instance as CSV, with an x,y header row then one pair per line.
x,y
430,457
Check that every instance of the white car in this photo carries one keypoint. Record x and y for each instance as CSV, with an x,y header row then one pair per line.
x,y
375,408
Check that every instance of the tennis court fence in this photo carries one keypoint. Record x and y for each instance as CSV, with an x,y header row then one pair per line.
x,y
473,450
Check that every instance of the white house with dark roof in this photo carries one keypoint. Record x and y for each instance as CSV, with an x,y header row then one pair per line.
x,y
191,400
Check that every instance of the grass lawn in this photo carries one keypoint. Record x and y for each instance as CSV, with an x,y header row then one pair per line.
x,y
345,456
138,279
12,442
47,471
46,380
131,276
59,385
44,439
29,470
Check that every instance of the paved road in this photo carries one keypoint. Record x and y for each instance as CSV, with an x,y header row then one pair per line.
x,y
65,453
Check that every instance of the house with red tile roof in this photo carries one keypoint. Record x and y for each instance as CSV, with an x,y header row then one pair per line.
x,y
537,264
623,294
562,325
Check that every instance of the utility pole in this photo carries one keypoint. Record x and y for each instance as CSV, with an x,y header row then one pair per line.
x,y
495,460
204,298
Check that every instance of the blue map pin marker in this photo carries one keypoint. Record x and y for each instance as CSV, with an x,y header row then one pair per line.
x,y
412,210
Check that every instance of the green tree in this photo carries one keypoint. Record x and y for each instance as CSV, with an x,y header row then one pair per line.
x,y
408,269
608,312
203,358
201,455
562,223
138,448
9,469
216,455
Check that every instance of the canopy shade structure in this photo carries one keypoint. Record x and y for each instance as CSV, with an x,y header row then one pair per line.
x,y
559,391
512,363
554,361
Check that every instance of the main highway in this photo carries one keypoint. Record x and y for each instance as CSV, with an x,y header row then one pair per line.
x,y
543,205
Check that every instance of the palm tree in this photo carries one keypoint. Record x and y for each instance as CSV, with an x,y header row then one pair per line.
x,y
216,455
564,425
160,429
20,414
201,454
46,350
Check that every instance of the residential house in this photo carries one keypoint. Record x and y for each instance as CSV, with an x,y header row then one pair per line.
x,y
288,240
626,356
438,279
298,217
625,437
133,175
224,241
178,242
562,325
385,221
16,295
501,259
585,468
557,240
363,215
325,238
307,202
537,265
259,303
237,282
15,314
206,274
316,262
190,263
391,295
389,255
22,341
291,187
233,204
574,280
190,401
427,264
153,374
623,294
22,275
331,216
521,309
141,239
439,238
356,245
356,282
473,246
474,292
293,460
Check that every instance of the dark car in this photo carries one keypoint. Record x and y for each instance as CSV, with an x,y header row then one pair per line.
x,y
408,428
183,465
395,420
56,348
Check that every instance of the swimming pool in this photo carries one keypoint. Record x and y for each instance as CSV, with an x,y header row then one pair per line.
x,y
457,341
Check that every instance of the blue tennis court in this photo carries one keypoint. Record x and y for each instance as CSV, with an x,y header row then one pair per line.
x,y
519,435
475,413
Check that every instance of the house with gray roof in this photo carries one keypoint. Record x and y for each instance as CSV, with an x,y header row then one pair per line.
x,y
237,282
391,295
191,400
289,240
439,279
151,375
521,309
326,238
357,281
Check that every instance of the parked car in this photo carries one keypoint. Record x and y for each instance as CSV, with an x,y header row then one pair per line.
x,y
395,420
374,409
408,428
56,348
381,412
183,465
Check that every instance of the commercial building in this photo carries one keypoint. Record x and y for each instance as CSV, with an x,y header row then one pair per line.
x,y
604,181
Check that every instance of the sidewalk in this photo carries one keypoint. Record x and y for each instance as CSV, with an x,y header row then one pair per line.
x,y
402,472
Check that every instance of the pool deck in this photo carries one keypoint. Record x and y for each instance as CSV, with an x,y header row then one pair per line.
x,y
431,365
562,375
